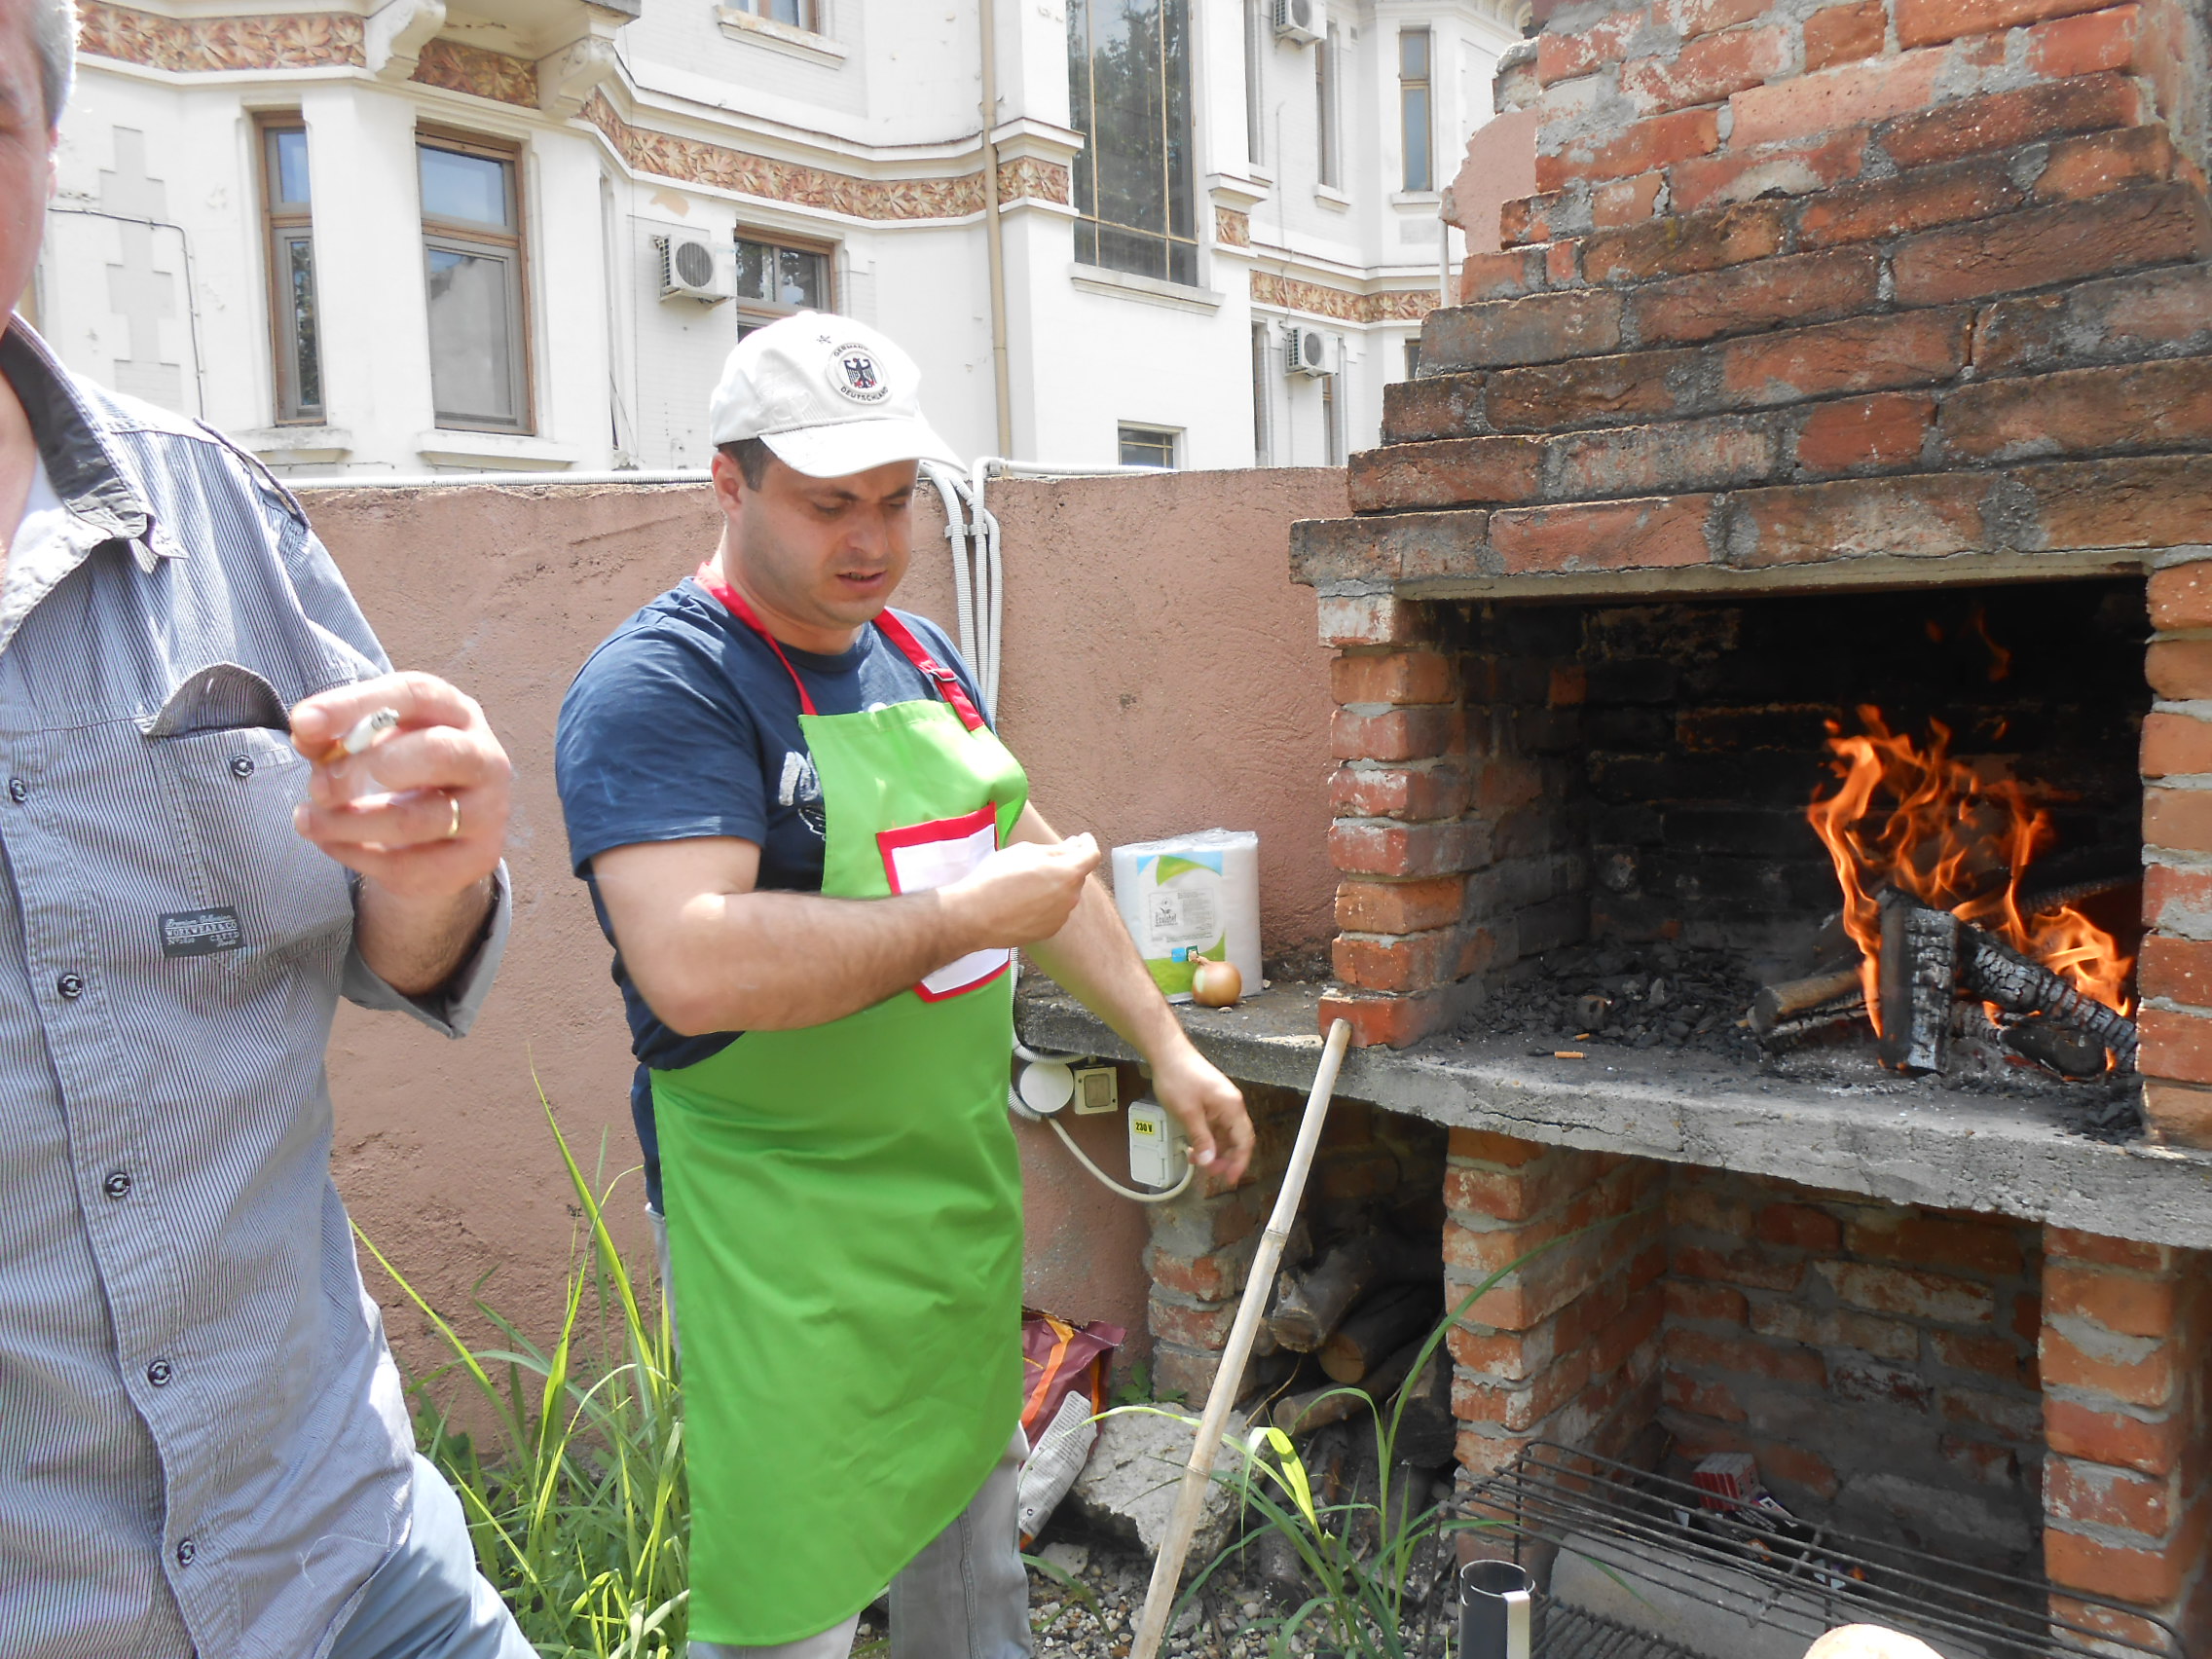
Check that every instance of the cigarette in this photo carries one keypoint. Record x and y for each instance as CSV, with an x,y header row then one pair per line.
x,y
366,730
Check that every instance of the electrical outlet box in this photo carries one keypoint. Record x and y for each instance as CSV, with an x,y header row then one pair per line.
x,y
1097,1089
1157,1151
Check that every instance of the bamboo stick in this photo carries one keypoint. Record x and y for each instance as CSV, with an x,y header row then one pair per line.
x,y
1183,1525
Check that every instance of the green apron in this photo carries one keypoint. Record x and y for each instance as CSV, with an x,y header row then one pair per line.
x,y
844,1211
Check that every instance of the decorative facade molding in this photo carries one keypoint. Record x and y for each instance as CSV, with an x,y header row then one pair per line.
x,y
565,78
311,39
695,161
396,34
459,67
1342,305
1232,229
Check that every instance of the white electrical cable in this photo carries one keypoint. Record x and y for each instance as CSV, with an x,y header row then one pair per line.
x,y
1111,1185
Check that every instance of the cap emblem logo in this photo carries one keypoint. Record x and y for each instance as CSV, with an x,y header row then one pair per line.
x,y
853,374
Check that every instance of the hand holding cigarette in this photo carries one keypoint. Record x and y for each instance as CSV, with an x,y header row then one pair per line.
x,y
409,787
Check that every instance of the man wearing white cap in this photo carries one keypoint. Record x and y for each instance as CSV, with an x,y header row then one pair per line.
x,y
815,860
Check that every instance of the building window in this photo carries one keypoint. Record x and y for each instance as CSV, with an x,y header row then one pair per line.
x,y
1148,446
1256,15
295,337
1414,112
472,248
775,279
1325,93
1130,89
1332,419
799,14
1412,358
1262,425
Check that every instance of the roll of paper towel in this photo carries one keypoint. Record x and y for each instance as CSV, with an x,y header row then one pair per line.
x,y
1191,897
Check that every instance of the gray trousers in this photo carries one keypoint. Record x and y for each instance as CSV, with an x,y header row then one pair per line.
x,y
964,1597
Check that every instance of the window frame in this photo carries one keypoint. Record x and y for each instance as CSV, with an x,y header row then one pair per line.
x,y
1329,162
282,224
811,11
469,238
1172,249
1169,441
753,313
1421,87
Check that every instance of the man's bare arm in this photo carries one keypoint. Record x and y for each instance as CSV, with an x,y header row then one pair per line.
x,y
710,952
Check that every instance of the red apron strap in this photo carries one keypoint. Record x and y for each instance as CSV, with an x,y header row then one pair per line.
x,y
894,630
947,682
709,579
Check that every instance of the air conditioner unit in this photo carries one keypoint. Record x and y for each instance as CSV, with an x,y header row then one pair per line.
x,y
1309,352
1302,22
693,268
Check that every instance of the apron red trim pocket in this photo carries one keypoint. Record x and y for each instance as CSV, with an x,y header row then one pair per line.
x,y
920,857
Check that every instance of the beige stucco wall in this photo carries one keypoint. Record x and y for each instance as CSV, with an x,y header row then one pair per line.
x,y
1160,673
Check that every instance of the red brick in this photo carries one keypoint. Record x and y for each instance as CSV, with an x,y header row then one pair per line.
x,y
1536,328
2085,44
2106,1497
1415,794
2018,1417
1394,677
2071,1244
1563,264
1683,245
1500,275
1794,1465
1793,1320
1923,22
1752,1268
2180,819
1407,849
2180,969
2140,502
2156,314
2178,901
1844,34
2178,1115
1863,354
1591,390
2134,1306
1927,515
1527,220
1688,18
2138,406
1689,1301
1707,1210
2150,1576
1662,458
1450,472
1802,288
1444,407
1202,1327
1808,106
1914,202
2113,1438
1215,1276
1706,1399
1799,1225
1392,1023
1617,1342
2070,243
1980,1461
1708,68
1640,147
1865,434
1927,1240
1481,1146
1561,57
1611,536
2135,1376
2005,121
1400,906
2101,162
1744,173
2180,668
1398,734
1908,1293
1992,1356
1417,963
2181,596
1777,1362
1372,620
1517,1194
1626,201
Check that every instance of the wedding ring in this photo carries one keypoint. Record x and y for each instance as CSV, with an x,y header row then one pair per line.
x,y
453,829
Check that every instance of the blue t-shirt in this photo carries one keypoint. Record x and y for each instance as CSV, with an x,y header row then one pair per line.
x,y
684,725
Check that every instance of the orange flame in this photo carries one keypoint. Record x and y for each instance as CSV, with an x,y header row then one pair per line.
x,y
1955,841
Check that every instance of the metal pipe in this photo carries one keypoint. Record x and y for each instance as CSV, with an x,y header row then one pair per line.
x,y
994,235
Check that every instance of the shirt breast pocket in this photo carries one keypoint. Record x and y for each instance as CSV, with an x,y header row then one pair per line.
x,y
261,894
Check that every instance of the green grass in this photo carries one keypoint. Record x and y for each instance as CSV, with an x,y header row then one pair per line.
x,y
577,1508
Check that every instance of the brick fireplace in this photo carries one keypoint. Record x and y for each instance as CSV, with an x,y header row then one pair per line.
x,y
1849,353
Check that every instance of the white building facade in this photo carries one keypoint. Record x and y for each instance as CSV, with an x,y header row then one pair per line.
x,y
443,236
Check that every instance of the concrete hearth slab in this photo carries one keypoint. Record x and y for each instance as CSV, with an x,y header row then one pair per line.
x,y
1907,1142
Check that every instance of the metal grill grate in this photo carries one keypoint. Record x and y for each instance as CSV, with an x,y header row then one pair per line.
x,y
1654,1538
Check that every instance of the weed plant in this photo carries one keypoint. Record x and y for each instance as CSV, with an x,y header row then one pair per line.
x,y
578,1509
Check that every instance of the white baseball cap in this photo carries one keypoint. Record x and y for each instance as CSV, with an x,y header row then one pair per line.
x,y
830,397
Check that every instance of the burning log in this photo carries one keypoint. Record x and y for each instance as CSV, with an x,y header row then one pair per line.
x,y
1829,1017
1994,972
1376,1329
1310,1304
1919,981
1777,1005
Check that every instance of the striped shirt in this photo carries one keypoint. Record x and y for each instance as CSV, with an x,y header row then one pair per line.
x,y
204,1446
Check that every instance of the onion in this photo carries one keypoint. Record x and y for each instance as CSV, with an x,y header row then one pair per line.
x,y
1216,984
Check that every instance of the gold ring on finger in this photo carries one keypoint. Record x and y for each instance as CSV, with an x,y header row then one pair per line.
x,y
453,829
